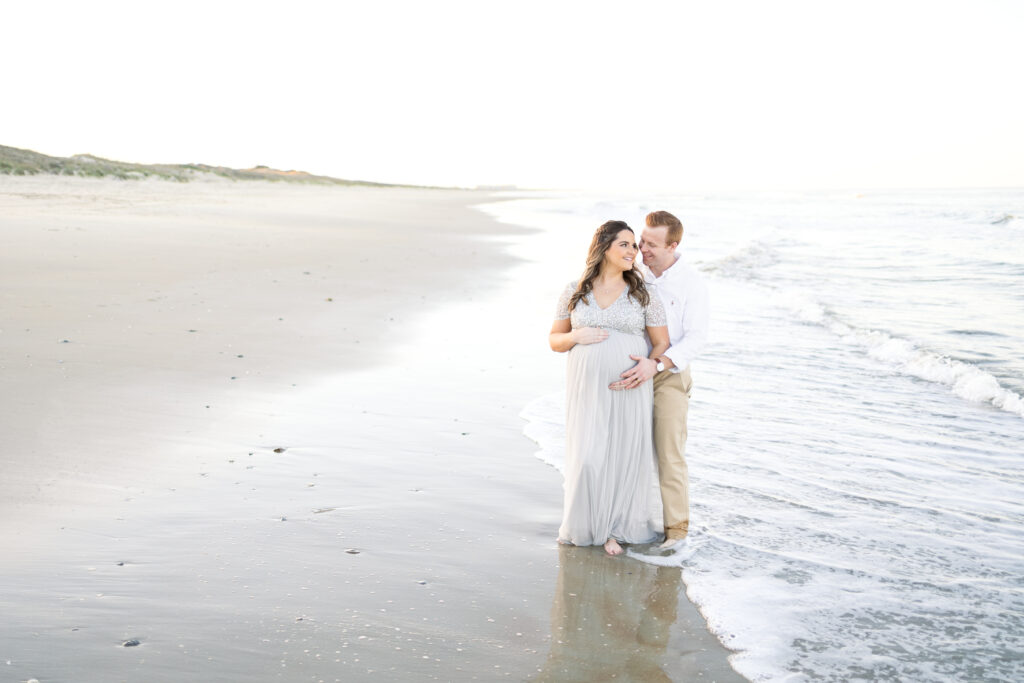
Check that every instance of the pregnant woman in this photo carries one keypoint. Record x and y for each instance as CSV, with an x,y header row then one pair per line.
x,y
611,493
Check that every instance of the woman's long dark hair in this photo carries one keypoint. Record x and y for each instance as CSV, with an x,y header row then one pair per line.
x,y
603,238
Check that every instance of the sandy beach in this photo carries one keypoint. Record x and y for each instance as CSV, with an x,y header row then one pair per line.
x,y
258,431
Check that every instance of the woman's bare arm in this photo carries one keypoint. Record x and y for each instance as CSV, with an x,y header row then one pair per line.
x,y
563,337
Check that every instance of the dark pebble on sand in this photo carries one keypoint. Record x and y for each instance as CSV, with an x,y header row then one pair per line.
x,y
280,450
352,551
65,341
131,643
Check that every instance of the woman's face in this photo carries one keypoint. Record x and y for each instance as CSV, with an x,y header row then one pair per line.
x,y
622,253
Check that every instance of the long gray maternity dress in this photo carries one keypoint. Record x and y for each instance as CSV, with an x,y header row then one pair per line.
x,y
611,482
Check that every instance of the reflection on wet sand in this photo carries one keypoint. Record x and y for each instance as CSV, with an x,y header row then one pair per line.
x,y
611,618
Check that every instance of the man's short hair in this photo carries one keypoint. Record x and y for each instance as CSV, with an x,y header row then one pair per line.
x,y
675,227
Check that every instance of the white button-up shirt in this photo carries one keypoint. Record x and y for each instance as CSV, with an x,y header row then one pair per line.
x,y
687,307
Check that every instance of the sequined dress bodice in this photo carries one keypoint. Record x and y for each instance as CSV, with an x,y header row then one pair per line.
x,y
625,314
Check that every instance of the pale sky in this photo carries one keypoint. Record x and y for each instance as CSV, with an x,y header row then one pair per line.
x,y
659,96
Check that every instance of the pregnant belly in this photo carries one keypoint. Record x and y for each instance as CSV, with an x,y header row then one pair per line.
x,y
606,360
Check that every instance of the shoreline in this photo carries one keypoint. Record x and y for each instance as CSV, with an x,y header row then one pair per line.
x,y
402,443
113,297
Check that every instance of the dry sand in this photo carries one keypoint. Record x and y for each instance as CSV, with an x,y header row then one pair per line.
x,y
158,342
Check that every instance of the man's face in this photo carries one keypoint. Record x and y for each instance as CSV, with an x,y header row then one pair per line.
x,y
657,254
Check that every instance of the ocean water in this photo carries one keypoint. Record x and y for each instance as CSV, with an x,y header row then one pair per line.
x,y
856,442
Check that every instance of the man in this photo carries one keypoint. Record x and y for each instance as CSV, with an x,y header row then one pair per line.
x,y
685,297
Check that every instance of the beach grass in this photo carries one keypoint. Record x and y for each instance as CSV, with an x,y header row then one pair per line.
x,y
15,161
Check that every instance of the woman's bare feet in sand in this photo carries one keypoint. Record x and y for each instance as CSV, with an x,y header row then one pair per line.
x,y
612,547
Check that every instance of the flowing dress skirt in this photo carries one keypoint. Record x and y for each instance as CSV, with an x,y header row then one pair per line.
x,y
611,482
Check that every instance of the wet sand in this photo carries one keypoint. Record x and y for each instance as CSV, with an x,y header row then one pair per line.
x,y
271,433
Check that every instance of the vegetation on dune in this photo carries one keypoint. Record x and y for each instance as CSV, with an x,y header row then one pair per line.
x,y
14,161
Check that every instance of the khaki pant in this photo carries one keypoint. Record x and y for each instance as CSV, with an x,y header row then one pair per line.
x,y
671,402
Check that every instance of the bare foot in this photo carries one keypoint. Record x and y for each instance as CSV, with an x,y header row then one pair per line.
x,y
612,547
671,543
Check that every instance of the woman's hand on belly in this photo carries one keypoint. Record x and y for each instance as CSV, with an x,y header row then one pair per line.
x,y
589,335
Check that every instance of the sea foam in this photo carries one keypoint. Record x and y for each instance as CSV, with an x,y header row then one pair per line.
x,y
966,380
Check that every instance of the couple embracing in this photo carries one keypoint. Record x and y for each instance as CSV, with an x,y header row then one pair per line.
x,y
623,325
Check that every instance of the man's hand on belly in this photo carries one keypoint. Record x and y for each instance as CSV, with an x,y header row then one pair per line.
x,y
644,369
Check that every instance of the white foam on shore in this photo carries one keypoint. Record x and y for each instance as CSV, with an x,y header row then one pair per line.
x,y
796,554
546,427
